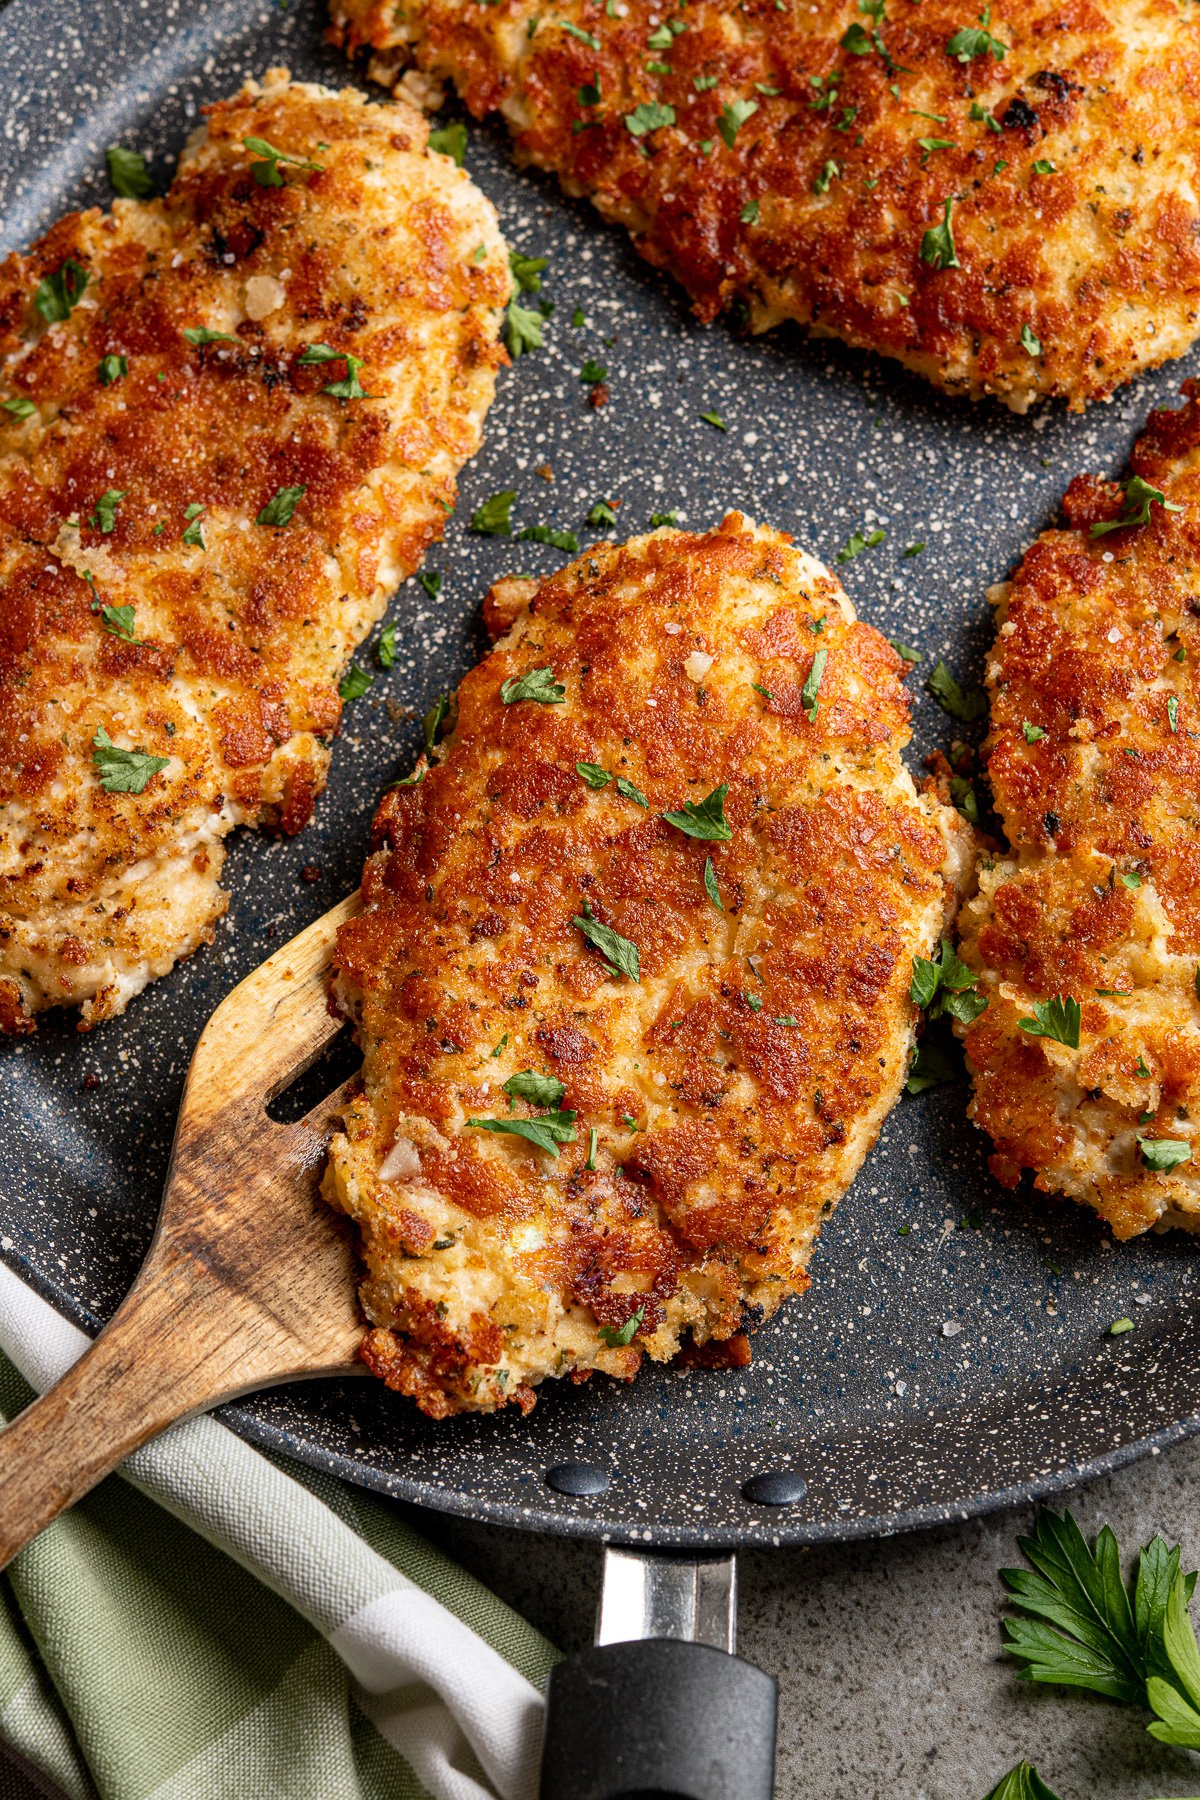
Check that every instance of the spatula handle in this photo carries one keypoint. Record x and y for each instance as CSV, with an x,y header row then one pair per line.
x,y
250,1279
159,1359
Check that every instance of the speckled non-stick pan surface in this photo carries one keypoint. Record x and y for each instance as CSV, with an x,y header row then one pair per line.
x,y
953,1353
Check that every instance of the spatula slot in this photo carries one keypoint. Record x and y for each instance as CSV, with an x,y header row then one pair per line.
x,y
332,1066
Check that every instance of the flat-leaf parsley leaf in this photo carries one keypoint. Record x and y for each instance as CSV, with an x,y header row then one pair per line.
x,y
123,771
620,953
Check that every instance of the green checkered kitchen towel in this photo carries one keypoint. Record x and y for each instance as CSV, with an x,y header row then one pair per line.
x,y
209,1627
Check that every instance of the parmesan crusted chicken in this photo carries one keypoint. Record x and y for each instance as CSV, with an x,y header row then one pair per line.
x,y
1007,203
632,971
203,508
1085,936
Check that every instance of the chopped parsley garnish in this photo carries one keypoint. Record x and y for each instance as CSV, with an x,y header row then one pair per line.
x,y
733,117
913,550
444,708
578,318
973,41
354,683
937,245
764,691
858,542
593,774
1043,166
494,517
123,771
667,518
548,1132
199,335
829,172
981,116
946,986
590,95
431,581
593,1140
1119,1327
118,620
620,953
349,389
714,419
193,533
576,31
1057,1019
266,172
450,140
812,687
128,173
58,294
19,407
539,1090
618,1339
710,884
385,649
500,1045
601,513
705,820
651,115
111,369
905,650
628,791
524,330
592,371
526,271
931,1066
930,144
1030,340
104,518
1173,712
963,796
961,703
1033,733
749,213
753,1001
538,685
1139,498
1164,1153
279,509
546,534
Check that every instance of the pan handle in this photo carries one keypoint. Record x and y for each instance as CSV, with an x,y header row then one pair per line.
x,y
660,1708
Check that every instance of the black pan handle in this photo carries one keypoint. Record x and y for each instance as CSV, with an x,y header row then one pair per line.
x,y
659,1708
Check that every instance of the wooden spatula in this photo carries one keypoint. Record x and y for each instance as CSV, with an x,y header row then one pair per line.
x,y
250,1279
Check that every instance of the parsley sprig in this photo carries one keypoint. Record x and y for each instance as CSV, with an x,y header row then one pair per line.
x,y
123,771
620,953
1080,1624
1140,496
973,41
1057,1019
946,987
706,819
266,171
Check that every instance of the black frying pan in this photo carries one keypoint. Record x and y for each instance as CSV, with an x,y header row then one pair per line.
x,y
953,1354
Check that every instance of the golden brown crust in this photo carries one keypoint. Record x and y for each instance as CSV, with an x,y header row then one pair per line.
x,y
1100,259
1099,650
736,1087
240,639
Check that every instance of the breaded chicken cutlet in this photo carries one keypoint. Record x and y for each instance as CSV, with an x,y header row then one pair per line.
x,y
1085,936
1005,202
232,421
632,971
